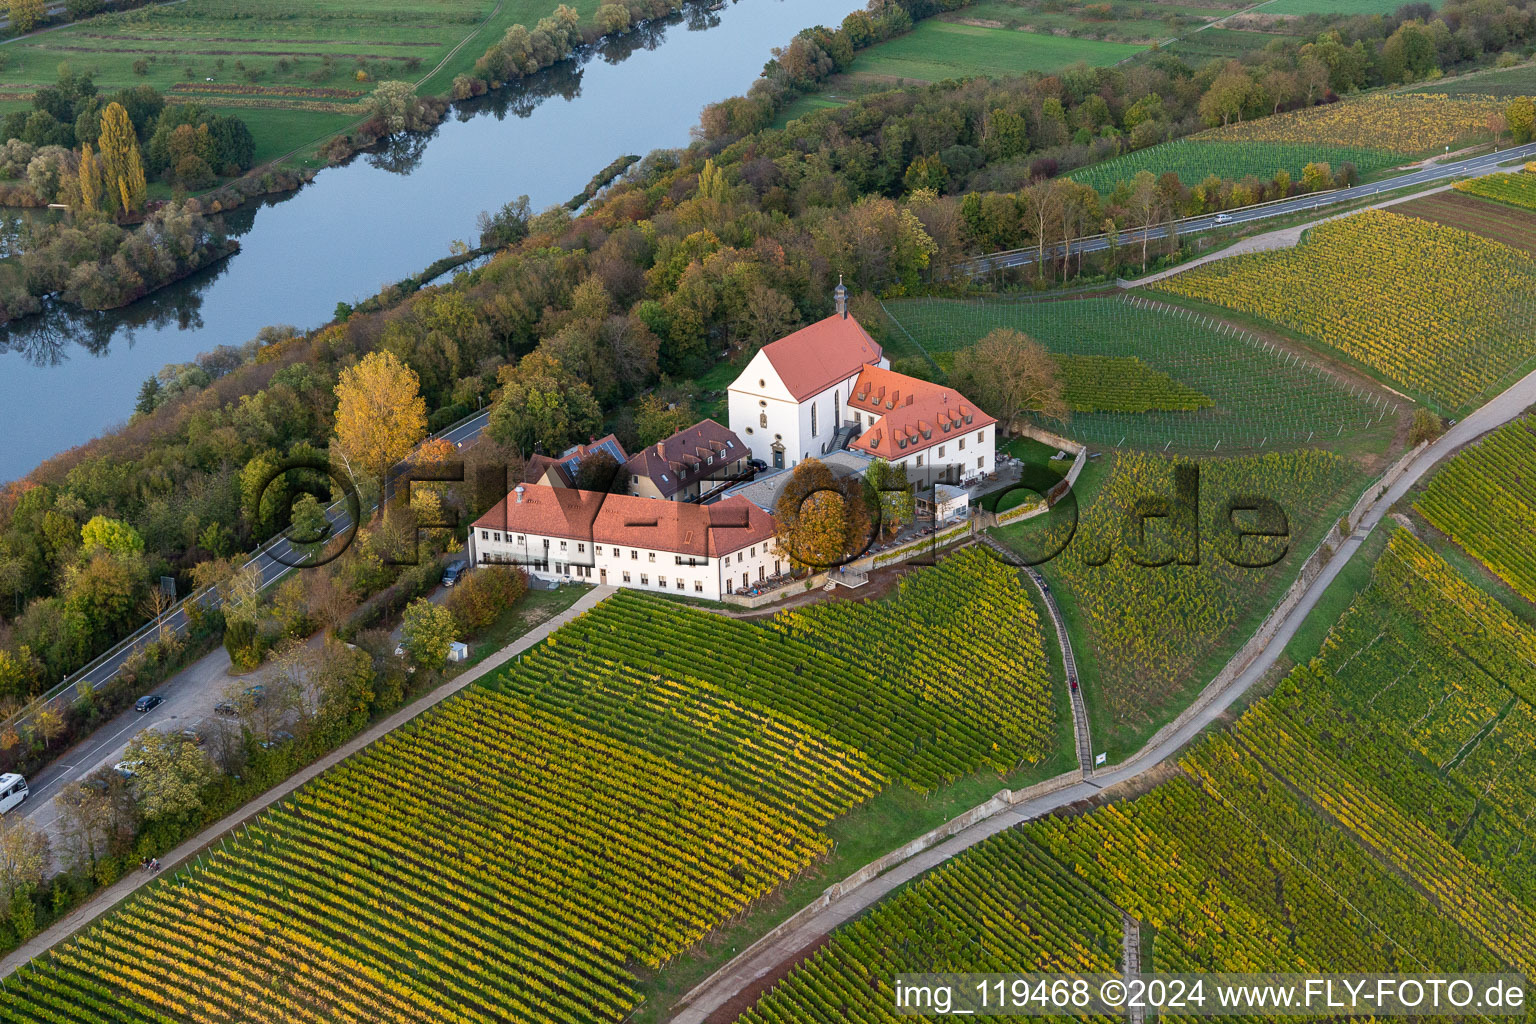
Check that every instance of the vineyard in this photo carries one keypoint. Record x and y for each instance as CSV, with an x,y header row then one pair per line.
x,y
1259,396
998,908
1514,189
1482,500
1403,123
641,778
1194,160
1123,384
1443,312
1151,628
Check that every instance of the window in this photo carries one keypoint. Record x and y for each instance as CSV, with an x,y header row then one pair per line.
x,y
761,572
730,586
485,534
749,429
626,576
651,556
583,547
776,569
941,451
520,539
762,383
981,435
634,479
762,420
962,444
745,581
562,545
679,583
739,556
754,551
698,586
633,554
979,462
813,419
645,580
919,462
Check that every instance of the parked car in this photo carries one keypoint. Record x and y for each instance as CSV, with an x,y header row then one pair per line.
x,y
127,768
758,464
255,694
13,791
192,736
277,739
454,571
226,707
146,702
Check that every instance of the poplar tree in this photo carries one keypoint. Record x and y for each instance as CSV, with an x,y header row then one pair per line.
x,y
90,179
123,168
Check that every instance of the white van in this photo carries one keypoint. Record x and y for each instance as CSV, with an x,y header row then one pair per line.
x,y
13,790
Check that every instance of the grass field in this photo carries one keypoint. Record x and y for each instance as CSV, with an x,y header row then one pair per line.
x,y
1500,222
1193,160
936,50
289,68
1345,7
1505,82
1443,313
1261,397
1127,22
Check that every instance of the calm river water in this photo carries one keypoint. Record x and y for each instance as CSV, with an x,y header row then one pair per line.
x,y
66,376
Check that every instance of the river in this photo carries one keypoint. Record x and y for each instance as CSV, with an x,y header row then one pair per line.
x,y
67,376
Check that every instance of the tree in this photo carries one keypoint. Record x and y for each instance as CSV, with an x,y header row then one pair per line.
x,y
122,167
1317,177
1146,205
380,414
821,519
169,773
1426,426
481,596
1520,116
426,633
90,185
1009,374
97,817
894,494
657,419
1228,96
395,104
25,14
541,407
23,859
308,526
110,535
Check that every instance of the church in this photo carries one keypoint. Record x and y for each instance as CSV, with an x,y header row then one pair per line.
x,y
829,387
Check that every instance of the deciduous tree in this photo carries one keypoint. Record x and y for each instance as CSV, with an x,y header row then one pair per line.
x,y
1009,374
122,167
169,773
426,633
822,519
380,414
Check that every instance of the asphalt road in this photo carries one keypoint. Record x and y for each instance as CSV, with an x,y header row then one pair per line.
x,y
1472,167
189,695
769,957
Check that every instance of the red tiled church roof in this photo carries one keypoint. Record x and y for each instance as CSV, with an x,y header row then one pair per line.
x,y
816,357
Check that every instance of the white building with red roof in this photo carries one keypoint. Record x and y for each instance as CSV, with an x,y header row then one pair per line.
x,y
829,386
789,402
623,540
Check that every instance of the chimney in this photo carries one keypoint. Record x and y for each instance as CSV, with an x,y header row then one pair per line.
x,y
840,298
518,490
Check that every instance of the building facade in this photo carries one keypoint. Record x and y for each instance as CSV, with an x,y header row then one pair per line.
x,y
695,464
701,551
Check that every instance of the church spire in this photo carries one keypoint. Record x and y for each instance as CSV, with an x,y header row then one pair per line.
x,y
840,298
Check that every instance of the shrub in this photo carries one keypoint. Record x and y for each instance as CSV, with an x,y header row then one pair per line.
x,y
482,595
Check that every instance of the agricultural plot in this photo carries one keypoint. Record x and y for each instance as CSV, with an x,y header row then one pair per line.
x,y
1149,617
936,50
1344,7
1482,499
1194,160
1442,312
1125,22
1404,123
998,908
1123,384
1261,397
1223,43
1514,189
295,71
1515,228
519,851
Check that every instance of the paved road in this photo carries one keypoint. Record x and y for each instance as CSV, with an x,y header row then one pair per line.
x,y
770,956
1472,167
190,694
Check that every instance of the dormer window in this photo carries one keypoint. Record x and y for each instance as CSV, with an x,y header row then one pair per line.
x,y
969,417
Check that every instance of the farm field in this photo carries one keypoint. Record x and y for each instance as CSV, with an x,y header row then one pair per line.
x,y
1344,7
1123,384
1151,620
1404,123
1482,500
290,69
1193,160
1336,822
1515,228
1514,189
1126,22
1441,312
1261,397
937,50
1223,43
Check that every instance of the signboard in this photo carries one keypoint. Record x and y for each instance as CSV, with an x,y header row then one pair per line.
x,y
1099,759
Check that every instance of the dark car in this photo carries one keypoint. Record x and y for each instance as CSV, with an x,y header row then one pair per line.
x,y
454,571
193,737
758,464
147,702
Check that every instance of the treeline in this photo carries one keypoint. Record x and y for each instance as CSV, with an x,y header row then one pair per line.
x,y
586,323
184,144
